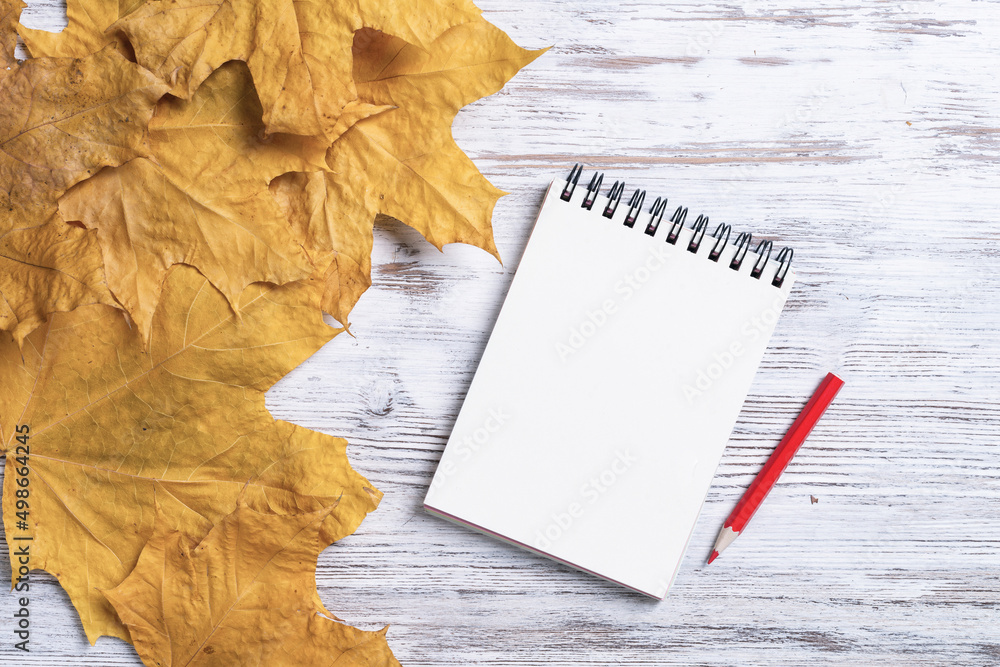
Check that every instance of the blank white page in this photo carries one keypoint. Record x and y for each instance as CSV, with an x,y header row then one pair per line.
x,y
607,393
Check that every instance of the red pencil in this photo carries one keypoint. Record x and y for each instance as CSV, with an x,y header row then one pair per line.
x,y
754,496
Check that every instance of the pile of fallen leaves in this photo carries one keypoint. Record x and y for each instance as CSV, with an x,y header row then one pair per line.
x,y
185,187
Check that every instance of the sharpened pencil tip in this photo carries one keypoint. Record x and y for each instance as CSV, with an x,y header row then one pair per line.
x,y
715,554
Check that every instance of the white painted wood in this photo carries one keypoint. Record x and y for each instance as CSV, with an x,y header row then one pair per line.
x,y
866,136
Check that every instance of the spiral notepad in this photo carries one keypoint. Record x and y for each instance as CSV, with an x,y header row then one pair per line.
x,y
612,380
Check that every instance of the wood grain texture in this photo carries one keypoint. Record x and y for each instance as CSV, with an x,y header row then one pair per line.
x,y
864,135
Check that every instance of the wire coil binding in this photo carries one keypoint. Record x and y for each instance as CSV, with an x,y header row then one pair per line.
x,y
677,220
614,198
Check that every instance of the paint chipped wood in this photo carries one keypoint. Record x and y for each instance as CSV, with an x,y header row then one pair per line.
x,y
866,137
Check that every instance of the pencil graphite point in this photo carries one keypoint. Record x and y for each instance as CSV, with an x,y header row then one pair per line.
x,y
726,537
776,463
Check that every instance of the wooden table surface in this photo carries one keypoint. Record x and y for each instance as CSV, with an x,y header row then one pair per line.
x,y
865,135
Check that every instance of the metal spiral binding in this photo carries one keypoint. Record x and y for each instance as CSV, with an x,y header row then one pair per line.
x,y
634,207
678,218
614,198
742,245
656,215
658,210
574,178
700,225
592,190
785,257
764,250
721,236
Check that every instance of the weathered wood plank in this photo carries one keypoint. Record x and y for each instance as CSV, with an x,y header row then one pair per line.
x,y
865,136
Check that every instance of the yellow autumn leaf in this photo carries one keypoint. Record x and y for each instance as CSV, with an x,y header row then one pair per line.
x,y
268,164
245,594
403,163
86,31
61,121
299,51
10,13
202,199
45,269
337,231
423,178
114,428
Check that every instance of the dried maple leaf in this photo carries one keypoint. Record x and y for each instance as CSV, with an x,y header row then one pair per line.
x,y
61,120
202,199
10,12
337,228
46,269
299,51
87,22
113,426
244,594
403,163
